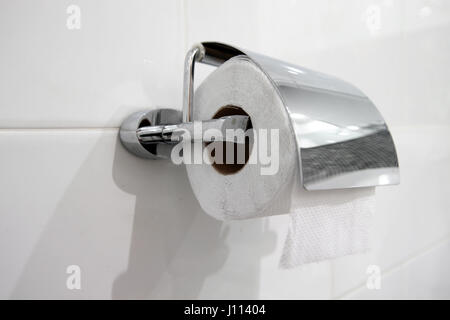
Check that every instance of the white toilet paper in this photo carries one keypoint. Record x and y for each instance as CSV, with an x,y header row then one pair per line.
x,y
327,224
324,224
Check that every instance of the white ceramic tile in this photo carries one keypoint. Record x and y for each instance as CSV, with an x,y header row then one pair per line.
x,y
251,268
235,260
409,217
133,226
224,21
311,281
422,14
77,197
402,74
290,28
424,277
244,265
128,55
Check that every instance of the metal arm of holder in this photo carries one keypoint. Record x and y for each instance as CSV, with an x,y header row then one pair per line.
x,y
151,134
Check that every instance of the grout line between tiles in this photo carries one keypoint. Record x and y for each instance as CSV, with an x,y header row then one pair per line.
x,y
398,265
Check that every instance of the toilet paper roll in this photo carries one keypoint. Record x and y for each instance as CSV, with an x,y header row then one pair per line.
x,y
324,224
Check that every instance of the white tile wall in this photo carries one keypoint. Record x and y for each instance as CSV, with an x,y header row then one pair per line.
x,y
70,194
422,277
128,55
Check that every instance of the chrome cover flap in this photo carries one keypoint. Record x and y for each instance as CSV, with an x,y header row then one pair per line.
x,y
342,139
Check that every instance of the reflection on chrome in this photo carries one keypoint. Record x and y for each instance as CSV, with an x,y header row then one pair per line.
x,y
371,151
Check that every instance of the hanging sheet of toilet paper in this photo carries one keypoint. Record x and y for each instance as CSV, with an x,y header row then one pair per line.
x,y
323,224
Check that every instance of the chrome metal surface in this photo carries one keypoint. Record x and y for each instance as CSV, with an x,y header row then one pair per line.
x,y
174,133
195,54
343,141
153,119
152,134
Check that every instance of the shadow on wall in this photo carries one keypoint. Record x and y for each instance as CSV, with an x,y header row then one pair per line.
x,y
174,245
165,213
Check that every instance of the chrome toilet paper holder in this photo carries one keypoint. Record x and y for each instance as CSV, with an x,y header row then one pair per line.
x,y
342,139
